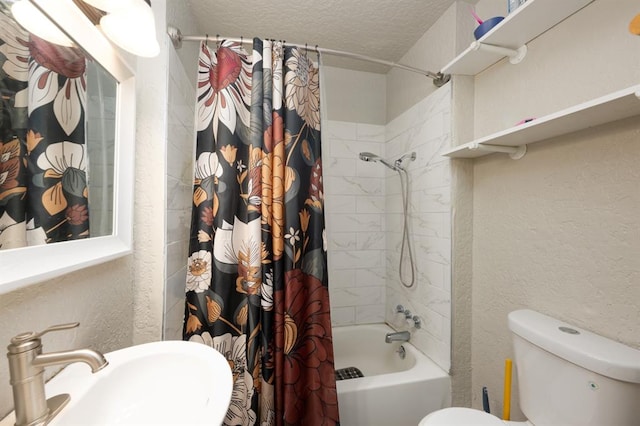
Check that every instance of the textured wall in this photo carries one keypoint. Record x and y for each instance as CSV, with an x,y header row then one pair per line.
x,y
557,231
150,203
461,243
588,55
383,28
100,298
448,36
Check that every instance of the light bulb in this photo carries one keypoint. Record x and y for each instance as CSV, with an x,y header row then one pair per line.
x,y
133,29
109,5
36,22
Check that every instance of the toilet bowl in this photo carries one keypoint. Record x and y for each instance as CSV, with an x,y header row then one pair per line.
x,y
459,416
566,376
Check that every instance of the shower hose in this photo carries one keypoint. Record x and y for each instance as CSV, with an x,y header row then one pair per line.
x,y
406,241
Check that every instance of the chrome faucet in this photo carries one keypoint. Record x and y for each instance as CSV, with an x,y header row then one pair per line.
x,y
399,336
26,369
417,321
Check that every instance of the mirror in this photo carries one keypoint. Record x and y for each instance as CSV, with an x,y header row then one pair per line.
x,y
74,109
100,140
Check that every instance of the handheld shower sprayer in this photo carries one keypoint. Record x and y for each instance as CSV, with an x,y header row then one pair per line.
x,y
404,183
369,156
397,164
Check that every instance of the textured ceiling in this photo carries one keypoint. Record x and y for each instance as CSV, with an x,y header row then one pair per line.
x,y
383,29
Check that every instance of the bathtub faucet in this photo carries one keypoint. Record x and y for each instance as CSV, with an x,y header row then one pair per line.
x,y
399,336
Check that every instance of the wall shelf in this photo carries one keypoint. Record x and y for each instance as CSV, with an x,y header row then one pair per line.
x,y
614,106
515,31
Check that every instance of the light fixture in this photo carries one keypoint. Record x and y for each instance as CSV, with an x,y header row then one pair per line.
x,y
130,25
109,5
36,22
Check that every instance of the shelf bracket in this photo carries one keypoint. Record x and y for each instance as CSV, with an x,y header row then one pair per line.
x,y
515,152
515,55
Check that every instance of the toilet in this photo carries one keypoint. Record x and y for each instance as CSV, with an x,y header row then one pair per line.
x,y
566,376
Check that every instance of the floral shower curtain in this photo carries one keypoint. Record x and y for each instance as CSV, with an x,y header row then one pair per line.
x,y
257,272
43,162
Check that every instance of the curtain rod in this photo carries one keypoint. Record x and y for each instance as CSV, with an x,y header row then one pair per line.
x,y
439,79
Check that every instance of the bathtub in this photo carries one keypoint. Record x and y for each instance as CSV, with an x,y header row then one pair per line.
x,y
393,391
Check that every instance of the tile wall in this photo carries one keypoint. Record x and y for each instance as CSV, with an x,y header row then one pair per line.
x,y
364,222
180,155
426,129
355,221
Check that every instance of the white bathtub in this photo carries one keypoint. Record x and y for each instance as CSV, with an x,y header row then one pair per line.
x,y
393,391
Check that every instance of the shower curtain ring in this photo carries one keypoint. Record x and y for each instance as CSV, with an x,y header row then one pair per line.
x,y
317,49
241,40
206,40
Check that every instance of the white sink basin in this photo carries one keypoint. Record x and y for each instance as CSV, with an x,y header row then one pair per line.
x,y
159,383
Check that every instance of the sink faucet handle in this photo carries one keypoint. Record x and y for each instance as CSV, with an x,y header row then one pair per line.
x,y
30,335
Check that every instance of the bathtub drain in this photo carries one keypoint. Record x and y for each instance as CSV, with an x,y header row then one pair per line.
x,y
348,373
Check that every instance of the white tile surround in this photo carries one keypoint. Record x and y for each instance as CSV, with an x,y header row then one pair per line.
x,y
364,222
180,154
355,220
426,129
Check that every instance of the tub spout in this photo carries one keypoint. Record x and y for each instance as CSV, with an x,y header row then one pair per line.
x,y
400,336
94,359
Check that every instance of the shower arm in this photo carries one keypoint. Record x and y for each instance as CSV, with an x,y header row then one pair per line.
x,y
439,79
411,156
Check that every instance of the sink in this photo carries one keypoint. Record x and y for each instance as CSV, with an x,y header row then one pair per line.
x,y
159,383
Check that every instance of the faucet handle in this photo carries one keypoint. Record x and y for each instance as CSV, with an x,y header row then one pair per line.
x,y
59,327
417,321
30,335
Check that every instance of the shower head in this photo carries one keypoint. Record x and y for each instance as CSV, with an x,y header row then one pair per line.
x,y
369,156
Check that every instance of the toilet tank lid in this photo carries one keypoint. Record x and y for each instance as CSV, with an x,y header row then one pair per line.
x,y
585,349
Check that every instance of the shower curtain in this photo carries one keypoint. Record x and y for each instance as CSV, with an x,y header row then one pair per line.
x,y
256,285
43,161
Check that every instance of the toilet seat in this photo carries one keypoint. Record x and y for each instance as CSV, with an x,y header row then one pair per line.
x,y
459,416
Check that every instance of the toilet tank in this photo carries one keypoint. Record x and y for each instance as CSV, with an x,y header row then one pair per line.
x,y
570,376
